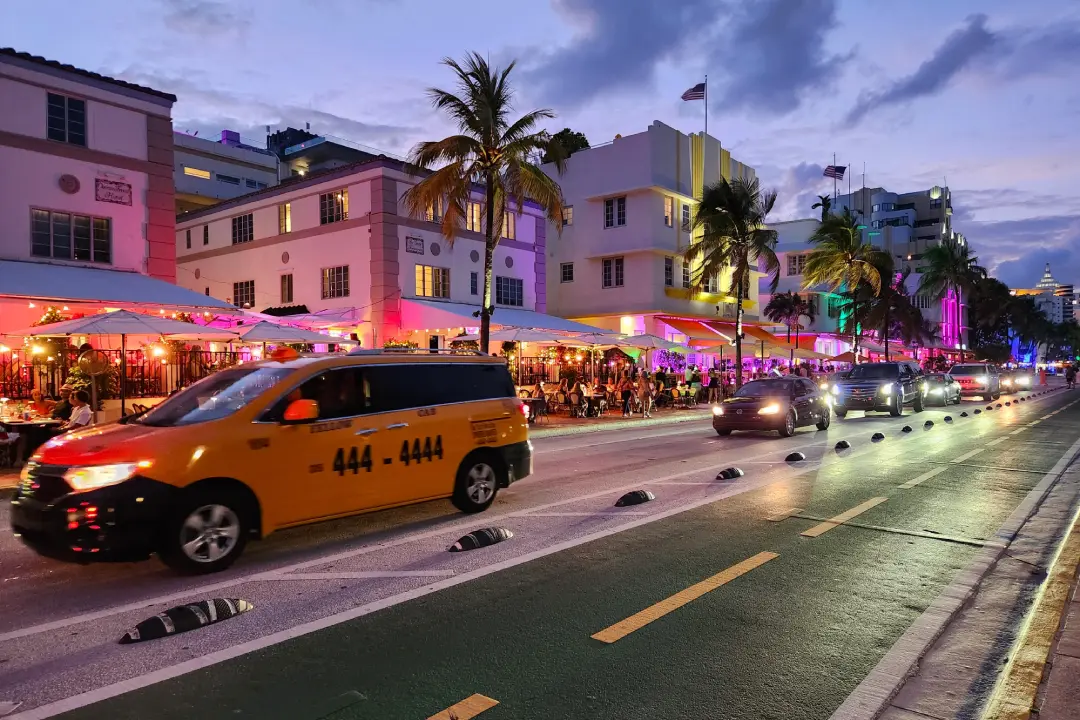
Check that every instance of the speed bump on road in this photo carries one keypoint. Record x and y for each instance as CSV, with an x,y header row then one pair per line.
x,y
654,612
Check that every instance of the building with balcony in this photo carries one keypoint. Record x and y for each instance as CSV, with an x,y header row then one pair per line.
x,y
87,212
209,171
616,261
341,244
302,152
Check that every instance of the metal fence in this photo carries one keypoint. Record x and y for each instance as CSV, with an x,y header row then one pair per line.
x,y
147,375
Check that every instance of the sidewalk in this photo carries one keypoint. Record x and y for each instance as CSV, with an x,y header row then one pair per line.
x,y
1059,697
554,426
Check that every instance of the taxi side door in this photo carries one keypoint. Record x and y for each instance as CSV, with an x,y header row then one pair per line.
x,y
323,467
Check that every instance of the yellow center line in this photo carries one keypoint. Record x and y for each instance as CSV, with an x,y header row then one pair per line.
x,y
922,478
468,708
654,612
967,455
842,517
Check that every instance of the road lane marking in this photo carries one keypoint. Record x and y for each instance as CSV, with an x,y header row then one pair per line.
x,y
363,575
784,515
842,518
990,467
998,441
468,708
1017,431
967,455
654,612
929,535
598,513
922,478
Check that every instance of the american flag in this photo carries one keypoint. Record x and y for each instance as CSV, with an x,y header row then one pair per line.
x,y
695,93
836,172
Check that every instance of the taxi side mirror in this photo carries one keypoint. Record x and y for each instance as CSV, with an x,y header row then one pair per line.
x,y
300,411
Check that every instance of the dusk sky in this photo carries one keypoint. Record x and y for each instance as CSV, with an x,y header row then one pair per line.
x,y
985,93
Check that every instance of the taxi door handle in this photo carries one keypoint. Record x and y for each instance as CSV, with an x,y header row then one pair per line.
x,y
397,426
368,431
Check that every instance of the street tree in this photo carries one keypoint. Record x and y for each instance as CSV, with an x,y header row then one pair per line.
x,y
790,308
491,152
950,266
570,142
825,203
733,236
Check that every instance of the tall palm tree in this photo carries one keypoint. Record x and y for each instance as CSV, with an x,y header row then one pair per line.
x,y
841,261
951,266
491,151
731,218
825,203
790,308
891,313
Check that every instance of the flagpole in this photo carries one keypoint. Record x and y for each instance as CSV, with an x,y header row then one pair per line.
x,y
706,104
834,178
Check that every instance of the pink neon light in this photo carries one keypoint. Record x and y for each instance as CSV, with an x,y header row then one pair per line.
x,y
950,320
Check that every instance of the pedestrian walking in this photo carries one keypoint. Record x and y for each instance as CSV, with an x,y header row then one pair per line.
x,y
626,392
644,390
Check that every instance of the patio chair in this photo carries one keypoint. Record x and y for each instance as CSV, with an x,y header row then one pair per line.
x,y
578,407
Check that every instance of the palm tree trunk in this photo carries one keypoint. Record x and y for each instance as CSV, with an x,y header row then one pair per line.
x,y
489,255
854,329
960,322
796,340
738,336
886,333
791,361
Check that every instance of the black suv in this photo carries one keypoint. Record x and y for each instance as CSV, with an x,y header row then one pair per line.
x,y
881,387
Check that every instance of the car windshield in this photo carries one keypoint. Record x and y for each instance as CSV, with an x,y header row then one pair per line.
x,y
874,372
214,397
766,388
968,370
935,379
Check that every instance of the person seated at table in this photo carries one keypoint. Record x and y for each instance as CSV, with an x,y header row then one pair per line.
x,y
81,415
39,405
538,389
62,409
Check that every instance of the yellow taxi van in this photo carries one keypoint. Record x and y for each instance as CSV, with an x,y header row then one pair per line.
x,y
274,444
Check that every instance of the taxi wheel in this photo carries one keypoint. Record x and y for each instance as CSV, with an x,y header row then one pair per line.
x,y
478,481
207,533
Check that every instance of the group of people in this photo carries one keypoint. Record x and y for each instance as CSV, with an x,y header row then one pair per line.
x,y
73,407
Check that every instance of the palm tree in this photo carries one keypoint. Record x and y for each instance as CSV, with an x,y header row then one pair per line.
x,y
491,151
789,308
891,312
951,266
841,260
825,203
731,217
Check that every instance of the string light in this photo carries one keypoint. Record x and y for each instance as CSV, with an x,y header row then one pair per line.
x,y
31,304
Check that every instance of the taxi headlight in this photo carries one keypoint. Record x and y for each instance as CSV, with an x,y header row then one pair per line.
x,y
97,476
770,409
718,410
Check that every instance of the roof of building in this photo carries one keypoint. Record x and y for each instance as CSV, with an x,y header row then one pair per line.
x,y
11,52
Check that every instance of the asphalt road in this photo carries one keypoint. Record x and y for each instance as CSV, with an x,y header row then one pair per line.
x,y
755,608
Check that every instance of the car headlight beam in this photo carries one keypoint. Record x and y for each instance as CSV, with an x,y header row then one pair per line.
x,y
770,409
98,476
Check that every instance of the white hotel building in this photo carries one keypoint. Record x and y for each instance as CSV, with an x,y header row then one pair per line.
x,y
342,242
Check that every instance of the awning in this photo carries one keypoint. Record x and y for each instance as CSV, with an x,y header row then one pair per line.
x,y
874,347
697,330
754,334
49,282
427,314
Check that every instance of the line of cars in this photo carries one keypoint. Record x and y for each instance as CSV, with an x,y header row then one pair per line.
x,y
785,404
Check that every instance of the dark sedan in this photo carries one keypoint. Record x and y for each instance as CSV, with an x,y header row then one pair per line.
x,y
941,389
780,404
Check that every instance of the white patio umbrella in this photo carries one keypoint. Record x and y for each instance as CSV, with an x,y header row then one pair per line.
x,y
268,332
124,323
649,342
526,335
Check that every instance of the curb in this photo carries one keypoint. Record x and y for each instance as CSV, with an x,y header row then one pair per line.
x,y
880,686
624,424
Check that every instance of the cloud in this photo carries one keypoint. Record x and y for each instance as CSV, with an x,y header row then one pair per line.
x,y
202,107
773,55
951,57
203,18
797,189
1016,251
618,46
1004,55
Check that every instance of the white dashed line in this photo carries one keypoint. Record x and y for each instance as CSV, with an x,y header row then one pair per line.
x,y
922,478
998,441
967,455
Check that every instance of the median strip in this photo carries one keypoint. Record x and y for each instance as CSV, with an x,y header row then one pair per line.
x,y
654,612
967,455
842,518
468,708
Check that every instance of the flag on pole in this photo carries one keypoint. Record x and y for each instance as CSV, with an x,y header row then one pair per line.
x,y
695,93
836,172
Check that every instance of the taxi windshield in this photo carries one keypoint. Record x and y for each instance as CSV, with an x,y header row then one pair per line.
x,y
214,397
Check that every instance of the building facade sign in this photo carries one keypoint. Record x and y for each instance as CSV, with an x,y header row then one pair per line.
x,y
112,191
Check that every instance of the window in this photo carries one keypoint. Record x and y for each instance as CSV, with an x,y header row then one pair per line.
x,y
207,292
205,234
286,289
927,223
340,393
284,218
474,283
196,172
566,272
686,217
434,212
922,301
335,282
669,211
712,284
251,183
888,207
334,206
686,275
432,281
243,293
835,305
613,272
260,185
229,179
509,291
187,238
796,264
876,207
242,229
399,387
669,271
67,119
472,216
509,226
568,215
935,203
928,237
615,212
70,237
